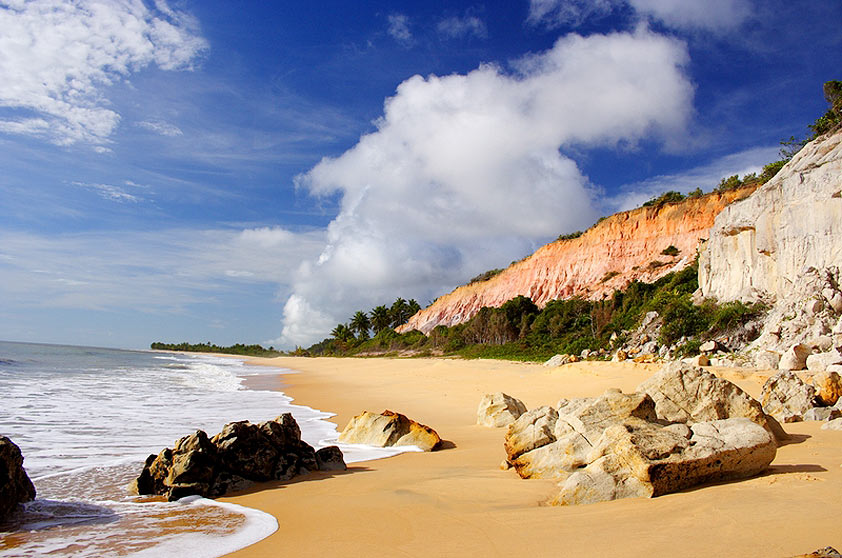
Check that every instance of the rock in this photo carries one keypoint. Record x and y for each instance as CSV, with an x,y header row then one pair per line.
x,y
822,414
826,552
531,430
821,344
647,460
767,360
698,360
710,346
330,458
819,362
828,386
499,409
536,451
795,358
585,354
835,424
813,307
557,360
15,486
786,397
389,429
241,454
620,356
689,394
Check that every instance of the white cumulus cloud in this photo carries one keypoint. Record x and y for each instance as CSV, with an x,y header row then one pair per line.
x,y
57,58
465,172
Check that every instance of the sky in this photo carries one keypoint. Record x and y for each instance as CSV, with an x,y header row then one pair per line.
x,y
256,172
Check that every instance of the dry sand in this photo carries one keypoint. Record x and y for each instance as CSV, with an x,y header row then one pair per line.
x,y
458,502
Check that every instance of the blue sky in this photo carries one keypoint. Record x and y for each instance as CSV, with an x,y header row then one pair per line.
x,y
258,171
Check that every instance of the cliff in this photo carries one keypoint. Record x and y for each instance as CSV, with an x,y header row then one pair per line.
x,y
760,247
624,247
783,245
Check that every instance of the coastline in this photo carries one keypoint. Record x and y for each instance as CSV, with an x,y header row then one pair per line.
x,y
458,502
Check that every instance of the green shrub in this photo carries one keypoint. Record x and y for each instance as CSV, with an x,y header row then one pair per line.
x,y
670,251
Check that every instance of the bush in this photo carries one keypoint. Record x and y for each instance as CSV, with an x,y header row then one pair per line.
x,y
670,251
665,198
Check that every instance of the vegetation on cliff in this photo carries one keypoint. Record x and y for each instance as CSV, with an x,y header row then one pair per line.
x,y
236,349
519,330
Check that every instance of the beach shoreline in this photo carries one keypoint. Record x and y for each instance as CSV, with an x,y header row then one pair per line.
x,y
459,502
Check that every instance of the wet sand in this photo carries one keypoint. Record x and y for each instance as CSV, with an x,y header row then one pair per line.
x,y
458,502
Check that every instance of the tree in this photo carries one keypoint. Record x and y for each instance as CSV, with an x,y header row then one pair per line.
x,y
414,307
399,312
380,319
342,333
360,324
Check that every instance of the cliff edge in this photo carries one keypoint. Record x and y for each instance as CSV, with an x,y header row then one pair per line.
x,y
624,247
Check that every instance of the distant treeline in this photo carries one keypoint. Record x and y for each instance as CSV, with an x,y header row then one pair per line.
x,y
237,349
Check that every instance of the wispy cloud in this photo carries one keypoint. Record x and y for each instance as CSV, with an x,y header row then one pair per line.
x,y
165,270
62,55
109,192
706,177
710,15
399,28
160,127
466,26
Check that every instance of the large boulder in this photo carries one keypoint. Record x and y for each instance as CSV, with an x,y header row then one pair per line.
x,y
787,397
15,486
499,409
828,386
688,394
389,429
646,459
553,444
241,454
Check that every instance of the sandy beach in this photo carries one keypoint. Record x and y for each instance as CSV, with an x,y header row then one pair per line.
x,y
458,502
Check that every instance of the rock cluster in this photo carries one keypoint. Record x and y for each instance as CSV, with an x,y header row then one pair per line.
x,y
788,398
15,486
681,428
389,429
241,454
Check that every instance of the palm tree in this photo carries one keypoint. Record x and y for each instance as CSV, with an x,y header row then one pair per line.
x,y
342,333
360,324
414,307
380,319
400,312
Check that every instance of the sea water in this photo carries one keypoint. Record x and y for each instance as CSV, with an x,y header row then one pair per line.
x,y
86,419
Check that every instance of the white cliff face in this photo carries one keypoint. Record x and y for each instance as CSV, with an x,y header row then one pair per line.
x,y
762,246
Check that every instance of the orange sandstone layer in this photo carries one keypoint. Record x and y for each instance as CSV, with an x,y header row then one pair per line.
x,y
624,247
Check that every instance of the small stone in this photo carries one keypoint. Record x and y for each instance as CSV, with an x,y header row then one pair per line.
x,y
835,424
822,414
620,356
709,346
786,397
813,307
828,386
698,360
820,361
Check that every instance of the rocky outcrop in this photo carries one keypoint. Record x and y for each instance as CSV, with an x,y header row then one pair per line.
x,y
241,454
687,394
783,245
683,427
498,409
647,460
389,429
621,248
15,486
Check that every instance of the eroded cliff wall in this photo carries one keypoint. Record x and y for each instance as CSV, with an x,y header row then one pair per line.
x,y
619,249
761,247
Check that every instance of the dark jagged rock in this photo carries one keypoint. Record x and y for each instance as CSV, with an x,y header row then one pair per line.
x,y
241,454
15,486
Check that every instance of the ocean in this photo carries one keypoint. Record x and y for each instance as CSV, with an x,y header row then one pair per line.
x,y
86,419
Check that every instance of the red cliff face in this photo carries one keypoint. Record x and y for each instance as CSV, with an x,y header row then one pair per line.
x,y
619,249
